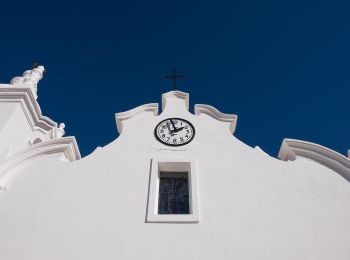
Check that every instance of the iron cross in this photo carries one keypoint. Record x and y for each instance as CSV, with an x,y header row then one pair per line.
x,y
174,76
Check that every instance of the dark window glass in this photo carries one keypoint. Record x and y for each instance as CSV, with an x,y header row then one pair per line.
x,y
173,193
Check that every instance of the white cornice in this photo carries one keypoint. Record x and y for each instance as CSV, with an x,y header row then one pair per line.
x,y
216,114
292,148
66,146
199,109
29,79
175,93
25,97
120,117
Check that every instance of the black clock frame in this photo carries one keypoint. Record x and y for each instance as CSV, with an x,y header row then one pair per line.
x,y
174,118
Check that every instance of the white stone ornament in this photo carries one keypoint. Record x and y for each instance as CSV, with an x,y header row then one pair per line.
x,y
60,130
30,78
174,132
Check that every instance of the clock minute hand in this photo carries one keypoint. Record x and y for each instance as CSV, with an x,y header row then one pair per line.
x,y
171,132
168,126
172,123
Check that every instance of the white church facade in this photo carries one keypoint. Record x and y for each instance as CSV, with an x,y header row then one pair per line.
x,y
173,185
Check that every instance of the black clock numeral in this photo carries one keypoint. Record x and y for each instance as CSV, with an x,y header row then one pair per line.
x,y
163,135
186,127
168,139
188,131
174,141
186,136
181,139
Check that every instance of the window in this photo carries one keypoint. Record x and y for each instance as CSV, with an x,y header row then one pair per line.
x,y
172,193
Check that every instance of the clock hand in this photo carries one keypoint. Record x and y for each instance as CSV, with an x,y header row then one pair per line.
x,y
178,129
171,121
171,132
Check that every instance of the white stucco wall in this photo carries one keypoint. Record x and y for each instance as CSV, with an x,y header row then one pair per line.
x,y
251,206
16,132
6,110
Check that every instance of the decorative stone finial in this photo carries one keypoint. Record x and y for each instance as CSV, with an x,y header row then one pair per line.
x,y
60,130
30,78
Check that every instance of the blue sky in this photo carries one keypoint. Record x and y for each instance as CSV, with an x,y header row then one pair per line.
x,y
282,66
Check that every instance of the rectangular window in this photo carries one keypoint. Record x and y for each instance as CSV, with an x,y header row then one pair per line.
x,y
173,193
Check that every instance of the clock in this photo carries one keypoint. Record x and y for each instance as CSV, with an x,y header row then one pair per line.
x,y
174,131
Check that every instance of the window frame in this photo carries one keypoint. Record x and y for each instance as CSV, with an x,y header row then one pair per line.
x,y
178,164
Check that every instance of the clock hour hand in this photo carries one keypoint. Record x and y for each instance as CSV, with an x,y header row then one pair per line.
x,y
178,129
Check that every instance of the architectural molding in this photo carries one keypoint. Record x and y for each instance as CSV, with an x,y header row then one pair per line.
x,y
26,99
29,79
120,117
66,147
199,109
179,94
292,148
216,114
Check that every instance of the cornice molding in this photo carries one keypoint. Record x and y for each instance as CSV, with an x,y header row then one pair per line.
x,y
216,114
292,148
25,97
29,79
179,94
122,116
66,147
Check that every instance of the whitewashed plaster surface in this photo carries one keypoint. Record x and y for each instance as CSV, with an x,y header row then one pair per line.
x,y
251,206
25,134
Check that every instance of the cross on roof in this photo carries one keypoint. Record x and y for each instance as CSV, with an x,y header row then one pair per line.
x,y
174,76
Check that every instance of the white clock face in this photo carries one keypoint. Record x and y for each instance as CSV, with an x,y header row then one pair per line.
x,y
174,131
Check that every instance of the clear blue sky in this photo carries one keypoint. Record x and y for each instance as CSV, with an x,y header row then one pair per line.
x,y
282,66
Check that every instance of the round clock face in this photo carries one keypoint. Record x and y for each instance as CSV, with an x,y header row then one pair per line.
x,y
174,131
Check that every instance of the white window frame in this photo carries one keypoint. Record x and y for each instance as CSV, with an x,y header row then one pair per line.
x,y
173,165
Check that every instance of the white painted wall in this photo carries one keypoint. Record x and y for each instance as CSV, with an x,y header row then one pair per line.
x,y
252,206
16,132
6,110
